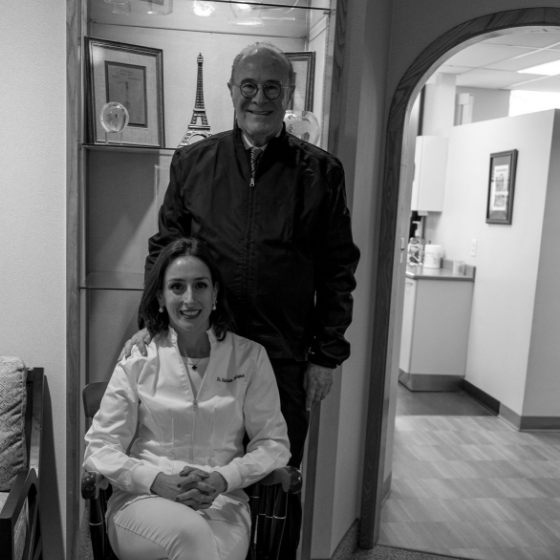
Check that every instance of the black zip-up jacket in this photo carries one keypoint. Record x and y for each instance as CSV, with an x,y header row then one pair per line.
x,y
284,246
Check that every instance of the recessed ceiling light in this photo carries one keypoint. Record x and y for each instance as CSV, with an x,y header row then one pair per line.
x,y
548,69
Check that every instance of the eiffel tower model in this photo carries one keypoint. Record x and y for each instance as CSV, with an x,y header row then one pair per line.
x,y
196,131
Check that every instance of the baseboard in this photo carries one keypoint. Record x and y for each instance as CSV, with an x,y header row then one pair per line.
x,y
525,423
430,382
483,398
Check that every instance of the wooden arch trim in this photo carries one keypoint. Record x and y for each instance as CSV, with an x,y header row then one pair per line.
x,y
412,81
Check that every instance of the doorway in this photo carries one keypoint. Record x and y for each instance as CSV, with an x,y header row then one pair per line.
x,y
392,227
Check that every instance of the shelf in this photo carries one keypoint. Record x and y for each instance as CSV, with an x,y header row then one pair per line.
x,y
129,281
129,149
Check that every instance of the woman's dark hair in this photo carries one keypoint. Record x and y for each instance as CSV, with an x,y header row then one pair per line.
x,y
220,319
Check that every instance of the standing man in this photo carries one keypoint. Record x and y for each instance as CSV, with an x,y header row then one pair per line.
x,y
272,210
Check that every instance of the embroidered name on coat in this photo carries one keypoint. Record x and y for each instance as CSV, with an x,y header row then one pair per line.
x,y
226,380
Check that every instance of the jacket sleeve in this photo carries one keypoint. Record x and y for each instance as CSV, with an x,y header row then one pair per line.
x,y
174,220
268,447
335,262
112,430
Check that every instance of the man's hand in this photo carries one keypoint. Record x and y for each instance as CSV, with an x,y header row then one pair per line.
x,y
141,339
317,383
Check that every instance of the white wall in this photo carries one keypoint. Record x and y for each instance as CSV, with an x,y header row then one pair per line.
x,y
362,142
32,223
439,105
543,382
507,256
488,103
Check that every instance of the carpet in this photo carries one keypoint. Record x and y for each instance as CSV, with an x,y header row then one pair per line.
x,y
390,553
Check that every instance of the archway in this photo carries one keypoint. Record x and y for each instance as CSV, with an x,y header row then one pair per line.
x,y
409,86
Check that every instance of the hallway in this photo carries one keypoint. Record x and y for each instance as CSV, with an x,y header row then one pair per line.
x,y
467,484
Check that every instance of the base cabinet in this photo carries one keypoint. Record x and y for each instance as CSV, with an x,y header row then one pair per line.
x,y
435,332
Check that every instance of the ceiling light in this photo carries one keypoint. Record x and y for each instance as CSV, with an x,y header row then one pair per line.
x,y
247,13
120,6
203,8
244,7
548,69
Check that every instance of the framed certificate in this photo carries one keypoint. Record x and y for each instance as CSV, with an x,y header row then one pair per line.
x,y
501,184
131,75
303,64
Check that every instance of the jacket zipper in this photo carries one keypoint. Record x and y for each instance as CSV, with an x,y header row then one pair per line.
x,y
195,403
249,240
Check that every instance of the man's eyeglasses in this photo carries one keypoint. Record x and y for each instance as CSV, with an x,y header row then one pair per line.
x,y
271,90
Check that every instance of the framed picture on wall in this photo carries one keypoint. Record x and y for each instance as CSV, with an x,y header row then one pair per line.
x,y
501,187
304,69
131,75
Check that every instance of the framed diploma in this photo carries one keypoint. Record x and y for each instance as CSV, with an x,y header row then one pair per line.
x,y
131,75
501,185
303,64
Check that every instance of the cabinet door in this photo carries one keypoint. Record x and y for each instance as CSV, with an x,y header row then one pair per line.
x,y
407,324
430,162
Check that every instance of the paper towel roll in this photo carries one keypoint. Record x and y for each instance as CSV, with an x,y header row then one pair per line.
x,y
432,256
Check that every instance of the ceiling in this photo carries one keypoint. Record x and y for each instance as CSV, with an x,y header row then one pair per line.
x,y
493,63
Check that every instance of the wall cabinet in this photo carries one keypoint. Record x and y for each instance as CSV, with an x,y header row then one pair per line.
x,y
430,162
435,331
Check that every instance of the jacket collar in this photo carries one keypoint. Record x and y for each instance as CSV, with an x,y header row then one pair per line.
x,y
238,135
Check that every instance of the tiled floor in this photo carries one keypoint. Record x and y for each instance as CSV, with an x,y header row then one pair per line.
x,y
467,484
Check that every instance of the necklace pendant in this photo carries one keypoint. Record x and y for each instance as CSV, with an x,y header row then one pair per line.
x,y
193,367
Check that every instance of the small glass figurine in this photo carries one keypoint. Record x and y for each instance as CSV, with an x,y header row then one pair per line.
x,y
114,117
304,125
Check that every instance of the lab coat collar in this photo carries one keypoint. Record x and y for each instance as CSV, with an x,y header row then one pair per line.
x,y
210,332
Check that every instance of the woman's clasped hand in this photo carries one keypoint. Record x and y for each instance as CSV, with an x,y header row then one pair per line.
x,y
192,487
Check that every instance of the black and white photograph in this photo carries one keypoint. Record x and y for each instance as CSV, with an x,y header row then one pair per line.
x,y
278,280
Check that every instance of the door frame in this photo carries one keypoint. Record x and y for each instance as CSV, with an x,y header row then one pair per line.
x,y
448,44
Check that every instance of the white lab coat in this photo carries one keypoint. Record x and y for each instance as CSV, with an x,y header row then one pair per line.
x,y
238,394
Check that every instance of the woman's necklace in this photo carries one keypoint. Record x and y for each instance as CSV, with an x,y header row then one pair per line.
x,y
194,366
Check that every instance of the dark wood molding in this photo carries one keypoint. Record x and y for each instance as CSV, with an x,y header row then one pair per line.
x,y
335,116
409,86
74,25
310,481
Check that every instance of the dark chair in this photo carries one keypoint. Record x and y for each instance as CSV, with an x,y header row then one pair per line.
x,y
267,498
20,534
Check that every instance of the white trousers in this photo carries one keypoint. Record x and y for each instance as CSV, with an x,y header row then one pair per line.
x,y
158,529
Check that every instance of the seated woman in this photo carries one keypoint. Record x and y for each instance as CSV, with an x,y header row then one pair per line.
x,y
178,491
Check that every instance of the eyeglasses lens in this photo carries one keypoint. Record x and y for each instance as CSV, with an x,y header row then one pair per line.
x,y
272,91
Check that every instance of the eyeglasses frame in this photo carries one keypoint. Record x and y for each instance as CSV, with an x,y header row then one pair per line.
x,y
260,86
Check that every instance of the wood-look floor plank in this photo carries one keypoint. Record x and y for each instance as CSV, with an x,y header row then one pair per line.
x,y
473,487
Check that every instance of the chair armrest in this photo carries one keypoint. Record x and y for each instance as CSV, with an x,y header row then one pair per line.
x,y
24,486
92,482
36,375
289,477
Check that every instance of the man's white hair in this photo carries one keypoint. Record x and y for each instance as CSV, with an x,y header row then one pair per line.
x,y
256,47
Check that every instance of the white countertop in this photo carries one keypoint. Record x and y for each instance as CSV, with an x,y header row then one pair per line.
x,y
418,272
